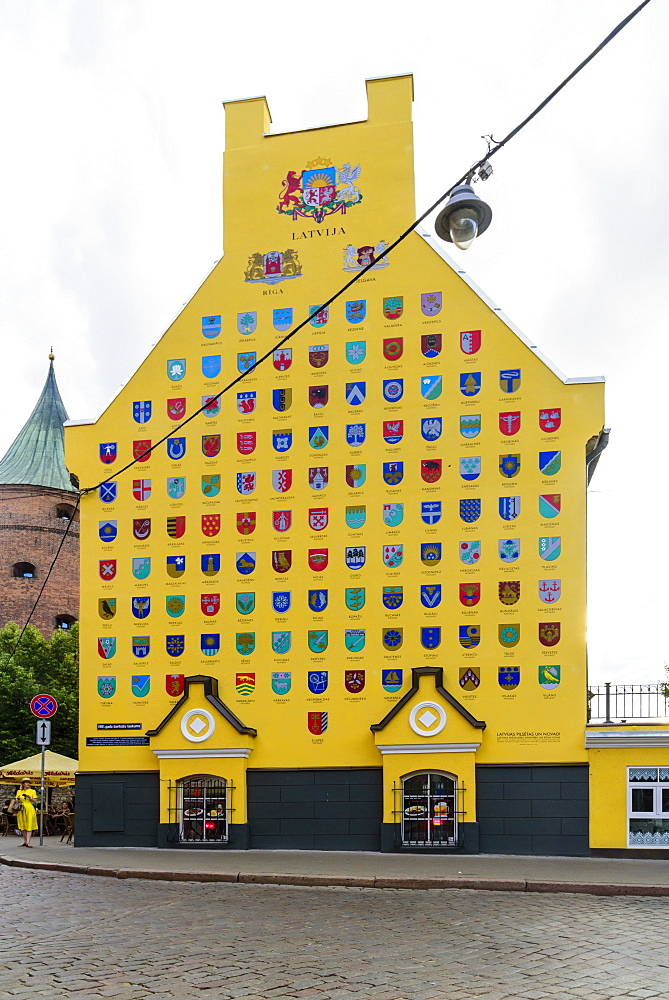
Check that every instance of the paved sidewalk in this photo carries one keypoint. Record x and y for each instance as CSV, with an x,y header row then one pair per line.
x,y
599,876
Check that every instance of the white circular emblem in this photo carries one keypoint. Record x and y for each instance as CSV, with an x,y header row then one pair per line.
x,y
427,719
197,725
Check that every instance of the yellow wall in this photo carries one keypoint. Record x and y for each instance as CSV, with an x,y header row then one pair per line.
x,y
528,723
609,788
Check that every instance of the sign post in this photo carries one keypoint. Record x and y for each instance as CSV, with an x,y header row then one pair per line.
x,y
43,706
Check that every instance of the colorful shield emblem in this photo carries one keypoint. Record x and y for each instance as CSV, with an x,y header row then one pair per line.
x,y
355,598
430,553
509,465
281,681
319,315
174,685
246,402
393,431
245,562
470,553
107,647
140,685
282,480
356,475
393,307
317,601
176,369
108,530
393,473
246,483
430,345
176,566
318,477
318,437
393,555
211,407
281,601
356,311
549,422
356,351
354,680
246,522
431,386
392,638
550,547
508,592
430,595
107,608
470,510
509,422
392,597
508,549
176,448
318,355
141,646
356,516
317,722
245,643
210,643
549,633
354,639
247,322
176,487
107,687
283,359
211,366
245,603
210,563
470,383
430,303
391,680
431,428
470,468
175,645
393,348
176,408
355,556
550,462
318,396
469,635
355,393
318,518
549,676
470,678
393,514
245,361
211,445
141,489
108,452
470,425
550,591
281,642
470,341
317,559
246,442
508,635
141,567
469,594
430,470
175,605
430,512
318,640
282,319
176,526
430,637
355,435
282,560
141,411
141,450
211,327
282,520
550,505
211,485
245,684
509,508
211,524
508,677
509,379
141,607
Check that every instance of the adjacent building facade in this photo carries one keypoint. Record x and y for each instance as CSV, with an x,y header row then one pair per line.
x,y
343,606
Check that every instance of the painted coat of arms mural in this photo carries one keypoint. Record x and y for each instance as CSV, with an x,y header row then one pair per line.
x,y
319,190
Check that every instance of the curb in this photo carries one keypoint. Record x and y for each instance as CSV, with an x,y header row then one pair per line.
x,y
371,882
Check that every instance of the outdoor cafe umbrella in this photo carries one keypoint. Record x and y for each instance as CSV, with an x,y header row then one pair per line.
x,y
59,771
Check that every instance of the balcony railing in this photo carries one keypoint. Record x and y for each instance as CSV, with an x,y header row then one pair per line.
x,y
615,703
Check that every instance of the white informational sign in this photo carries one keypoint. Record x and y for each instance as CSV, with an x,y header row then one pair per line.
x,y
43,733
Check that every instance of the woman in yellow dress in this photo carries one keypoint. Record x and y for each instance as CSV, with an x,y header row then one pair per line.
x,y
26,820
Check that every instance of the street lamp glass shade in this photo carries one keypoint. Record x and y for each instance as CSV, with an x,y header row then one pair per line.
x,y
463,227
464,217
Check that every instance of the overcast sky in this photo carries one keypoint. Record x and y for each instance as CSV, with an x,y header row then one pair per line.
x,y
110,178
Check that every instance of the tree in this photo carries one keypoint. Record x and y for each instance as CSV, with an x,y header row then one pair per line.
x,y
39,666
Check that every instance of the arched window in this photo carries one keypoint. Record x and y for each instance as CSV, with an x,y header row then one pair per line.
x,y
24,569
204,810
65,511
429,806
65,621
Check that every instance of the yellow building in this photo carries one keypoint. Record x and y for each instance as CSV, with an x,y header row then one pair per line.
x,y
344,605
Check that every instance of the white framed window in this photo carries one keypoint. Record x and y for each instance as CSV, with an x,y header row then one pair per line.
x,y
648,806
429,803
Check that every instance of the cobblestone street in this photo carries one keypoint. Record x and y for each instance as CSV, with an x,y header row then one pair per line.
x,y
82,937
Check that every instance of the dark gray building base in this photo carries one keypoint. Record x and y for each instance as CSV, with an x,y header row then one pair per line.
x,y
116,810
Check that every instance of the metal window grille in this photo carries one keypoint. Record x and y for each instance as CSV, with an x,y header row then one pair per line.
x,y
610,703
200,808
429,809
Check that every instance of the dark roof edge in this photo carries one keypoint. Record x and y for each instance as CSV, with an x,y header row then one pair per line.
x,y
211,694
438,674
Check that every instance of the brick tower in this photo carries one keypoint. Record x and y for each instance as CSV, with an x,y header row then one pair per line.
x,y
37,498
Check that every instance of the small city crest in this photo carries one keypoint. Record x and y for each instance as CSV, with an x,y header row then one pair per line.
x,y
470,678
317,722
106,608
318,190
281,601
354,639
355,598
357,258
549,676
391,680
272,267
107,686
245,602
281,681
392,597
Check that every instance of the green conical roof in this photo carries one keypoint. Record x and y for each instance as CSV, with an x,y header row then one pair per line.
x,y
37,456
